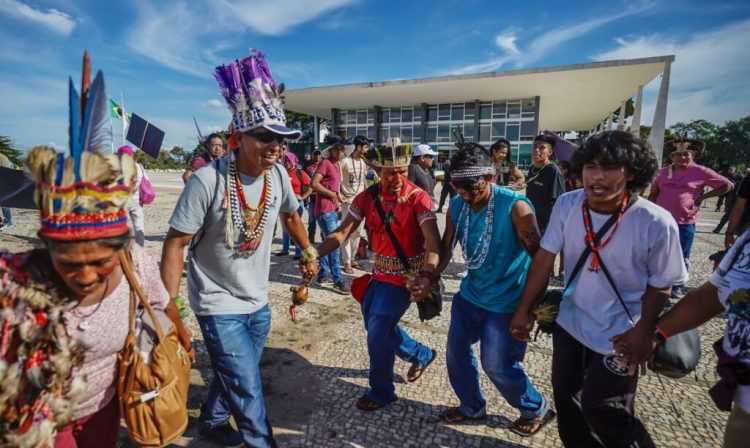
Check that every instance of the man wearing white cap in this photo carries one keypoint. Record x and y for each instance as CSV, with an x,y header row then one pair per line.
x,y
419,169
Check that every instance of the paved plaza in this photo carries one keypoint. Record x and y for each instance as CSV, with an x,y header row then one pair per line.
x,y
314,371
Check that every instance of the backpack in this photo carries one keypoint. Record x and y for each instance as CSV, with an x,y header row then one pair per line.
x,y
146,191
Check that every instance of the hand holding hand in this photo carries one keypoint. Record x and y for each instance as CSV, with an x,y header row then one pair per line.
x,y
419,287
521,325
636,345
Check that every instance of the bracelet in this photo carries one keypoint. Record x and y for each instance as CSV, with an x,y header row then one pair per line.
x,y
428,275
310,253
659,334
179,302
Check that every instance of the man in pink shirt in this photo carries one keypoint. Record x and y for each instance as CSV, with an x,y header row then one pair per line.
x,y
679,189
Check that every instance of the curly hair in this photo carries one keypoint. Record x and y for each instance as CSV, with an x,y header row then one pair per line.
x,y
469,155
614,149
502,143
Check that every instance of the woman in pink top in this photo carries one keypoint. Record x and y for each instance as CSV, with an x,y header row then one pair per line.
x,y
679,189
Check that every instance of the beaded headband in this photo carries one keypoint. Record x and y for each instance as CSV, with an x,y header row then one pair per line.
x,y
472,171
83,196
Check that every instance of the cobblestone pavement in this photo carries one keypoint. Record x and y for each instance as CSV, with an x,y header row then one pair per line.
x,y
314,371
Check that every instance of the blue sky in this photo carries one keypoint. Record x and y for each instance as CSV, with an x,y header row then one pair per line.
x,y
160,54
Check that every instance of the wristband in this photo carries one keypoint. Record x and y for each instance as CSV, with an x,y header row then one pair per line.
x,y
659,334
179,302
310,253
428,275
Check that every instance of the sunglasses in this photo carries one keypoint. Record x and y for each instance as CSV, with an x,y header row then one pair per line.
x,y
468,184
266,137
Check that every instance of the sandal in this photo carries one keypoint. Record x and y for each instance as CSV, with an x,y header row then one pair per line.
x,y
365,404
535,424
348,270
356,265
416,370
452,416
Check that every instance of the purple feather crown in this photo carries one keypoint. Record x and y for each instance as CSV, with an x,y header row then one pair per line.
x,y
251,93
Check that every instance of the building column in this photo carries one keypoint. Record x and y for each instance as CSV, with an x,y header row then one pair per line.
x,y
334,121
423,121
621,118
316,132
377,111
635,124
610,121
656,138
477,105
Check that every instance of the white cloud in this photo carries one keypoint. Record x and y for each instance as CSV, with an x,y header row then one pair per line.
x,y
709,75
218,104
507,42
187,36
543,44
52,19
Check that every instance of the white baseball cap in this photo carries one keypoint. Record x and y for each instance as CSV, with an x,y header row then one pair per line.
x,y
423,150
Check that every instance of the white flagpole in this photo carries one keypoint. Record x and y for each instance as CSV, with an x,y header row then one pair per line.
x,y
124,117
112,142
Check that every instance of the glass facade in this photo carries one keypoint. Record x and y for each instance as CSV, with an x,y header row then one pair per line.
x,y
484,122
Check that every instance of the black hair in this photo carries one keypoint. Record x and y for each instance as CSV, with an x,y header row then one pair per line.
x,y
564,164
316,152
546,139
360,140
115,242
333,139
613,149
210,137
469,155
500,143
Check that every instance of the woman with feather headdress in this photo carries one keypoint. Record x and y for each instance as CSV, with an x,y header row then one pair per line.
x,y
64,307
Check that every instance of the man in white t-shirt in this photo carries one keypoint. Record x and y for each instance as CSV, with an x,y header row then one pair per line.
x,y
135,208
353,182
600,339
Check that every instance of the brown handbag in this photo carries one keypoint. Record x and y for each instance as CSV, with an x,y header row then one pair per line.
x,y
153,373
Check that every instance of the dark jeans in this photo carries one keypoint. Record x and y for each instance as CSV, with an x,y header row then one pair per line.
x,y
235,344
595,407
312,225
285,236
7,217
727,211
687,235
447,190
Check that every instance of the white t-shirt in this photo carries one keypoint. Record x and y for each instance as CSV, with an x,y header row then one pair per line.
x,y
135,198
644,251
733,283
353,180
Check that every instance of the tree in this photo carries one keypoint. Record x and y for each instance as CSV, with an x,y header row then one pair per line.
x,y
734,141
178,155
305,124
9,150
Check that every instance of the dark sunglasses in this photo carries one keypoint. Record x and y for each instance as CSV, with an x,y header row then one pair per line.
x,y
266,137
468,184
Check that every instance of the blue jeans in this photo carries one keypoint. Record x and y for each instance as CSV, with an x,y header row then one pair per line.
x,y
285,236
7,217
311,224
501,361
687,235
235,343
382,307
329,265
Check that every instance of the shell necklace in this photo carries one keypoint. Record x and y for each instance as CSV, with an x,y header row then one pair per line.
x,y
252,220
475,259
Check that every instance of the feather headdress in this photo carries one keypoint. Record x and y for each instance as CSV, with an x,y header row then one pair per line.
x,y
392,154
683,143
252,95
83,196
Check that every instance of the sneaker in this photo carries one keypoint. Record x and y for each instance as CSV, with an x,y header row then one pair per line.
x,y
324,281
297,257
281,253
440,210
340,287
222,434
462,274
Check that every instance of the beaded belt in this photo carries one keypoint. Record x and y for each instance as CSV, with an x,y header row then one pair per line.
x,y
392,265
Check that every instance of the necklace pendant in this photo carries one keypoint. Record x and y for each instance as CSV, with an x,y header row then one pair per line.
x,y
84,325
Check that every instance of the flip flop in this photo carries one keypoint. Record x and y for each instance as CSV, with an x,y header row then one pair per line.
x,y
416,370
452,416
540,422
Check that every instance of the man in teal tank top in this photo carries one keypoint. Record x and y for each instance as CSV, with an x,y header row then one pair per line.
x,y
498,234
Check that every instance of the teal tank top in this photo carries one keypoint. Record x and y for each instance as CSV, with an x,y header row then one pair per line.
x,y
497,284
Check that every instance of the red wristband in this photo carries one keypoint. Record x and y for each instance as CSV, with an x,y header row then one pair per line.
x,y
661,332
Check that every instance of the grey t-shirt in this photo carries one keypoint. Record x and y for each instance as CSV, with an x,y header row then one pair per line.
x,y
219,283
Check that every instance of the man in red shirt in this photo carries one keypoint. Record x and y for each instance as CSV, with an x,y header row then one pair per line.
x,y
301,187
408,210
310,167
214,145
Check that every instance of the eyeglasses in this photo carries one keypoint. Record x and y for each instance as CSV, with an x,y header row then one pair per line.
x,y
266,137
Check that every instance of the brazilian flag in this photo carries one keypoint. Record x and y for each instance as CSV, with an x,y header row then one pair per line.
x,y
116,110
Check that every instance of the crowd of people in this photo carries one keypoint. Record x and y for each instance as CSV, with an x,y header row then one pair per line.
x,y
65,304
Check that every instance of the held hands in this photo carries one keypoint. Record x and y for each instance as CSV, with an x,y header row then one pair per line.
x,y
309,268
636,346
521,325
419,287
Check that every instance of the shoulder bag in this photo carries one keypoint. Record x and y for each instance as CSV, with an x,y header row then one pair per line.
x,y
153,372
432,305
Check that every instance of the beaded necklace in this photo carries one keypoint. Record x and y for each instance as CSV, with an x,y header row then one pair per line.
x,y
252,220
479,254
595,248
